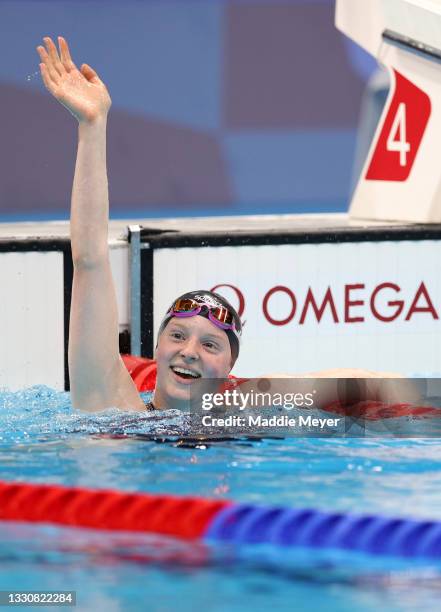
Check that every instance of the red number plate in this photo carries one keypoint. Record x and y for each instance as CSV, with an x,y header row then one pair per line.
x,y
401,134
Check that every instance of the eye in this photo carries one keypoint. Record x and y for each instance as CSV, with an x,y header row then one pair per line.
x,y
211,346
177,335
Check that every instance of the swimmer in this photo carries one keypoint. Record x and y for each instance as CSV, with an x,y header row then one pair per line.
x,y
200,333
189,346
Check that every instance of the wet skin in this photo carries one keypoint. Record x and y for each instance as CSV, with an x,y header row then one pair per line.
x,y
188,349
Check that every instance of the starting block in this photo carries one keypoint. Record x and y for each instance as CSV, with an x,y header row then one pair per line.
x,y
401,178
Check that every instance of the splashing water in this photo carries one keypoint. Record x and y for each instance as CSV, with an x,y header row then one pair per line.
x,y
39,413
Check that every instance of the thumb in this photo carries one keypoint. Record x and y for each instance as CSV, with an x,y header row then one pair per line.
x,y
89,73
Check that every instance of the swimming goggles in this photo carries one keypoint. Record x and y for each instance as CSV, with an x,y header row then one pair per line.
x,y
218,314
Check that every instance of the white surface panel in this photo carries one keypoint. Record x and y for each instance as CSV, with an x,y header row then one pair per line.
x,y
409,347
31,320
119,262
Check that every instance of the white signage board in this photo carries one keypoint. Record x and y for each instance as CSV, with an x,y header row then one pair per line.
x,y
307,307
33,314
31,320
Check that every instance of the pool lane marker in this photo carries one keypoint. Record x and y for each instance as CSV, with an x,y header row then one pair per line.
x,y
193,518
183,517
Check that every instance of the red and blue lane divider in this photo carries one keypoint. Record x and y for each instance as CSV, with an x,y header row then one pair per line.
x,y
221,521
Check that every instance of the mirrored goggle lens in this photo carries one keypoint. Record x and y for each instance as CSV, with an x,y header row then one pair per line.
x,y
186,305
219,313
222,315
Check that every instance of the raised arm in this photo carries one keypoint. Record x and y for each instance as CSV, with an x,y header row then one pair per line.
x,y
98,378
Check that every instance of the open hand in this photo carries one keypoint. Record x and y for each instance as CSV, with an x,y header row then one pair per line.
x,y
80,91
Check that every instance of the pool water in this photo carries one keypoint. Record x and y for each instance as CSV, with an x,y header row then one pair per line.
x,y
43,441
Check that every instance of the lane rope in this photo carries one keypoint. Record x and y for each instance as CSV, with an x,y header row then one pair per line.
x,y
183,517
194,518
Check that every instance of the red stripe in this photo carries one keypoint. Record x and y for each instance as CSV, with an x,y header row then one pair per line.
x,y
143,372
183,517
374,411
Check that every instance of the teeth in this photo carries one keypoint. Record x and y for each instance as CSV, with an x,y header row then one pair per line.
x,y
185,371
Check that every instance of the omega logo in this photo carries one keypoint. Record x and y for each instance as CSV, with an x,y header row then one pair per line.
x,y
385,302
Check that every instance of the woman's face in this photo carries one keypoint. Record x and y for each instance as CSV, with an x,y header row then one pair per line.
x,y
188,349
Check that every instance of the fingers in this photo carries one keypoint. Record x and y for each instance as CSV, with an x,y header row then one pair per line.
x,y
49,84
89,73
66,59
47,63
53,55
52,68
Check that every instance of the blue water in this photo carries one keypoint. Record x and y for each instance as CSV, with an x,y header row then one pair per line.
x,y
42,440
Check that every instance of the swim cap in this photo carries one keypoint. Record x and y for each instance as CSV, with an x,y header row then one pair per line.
x,y
211,301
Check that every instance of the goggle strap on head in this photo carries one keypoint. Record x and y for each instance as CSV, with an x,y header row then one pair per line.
x,y
217,313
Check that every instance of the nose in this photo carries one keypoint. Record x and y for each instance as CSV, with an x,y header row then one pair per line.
x,y
189,350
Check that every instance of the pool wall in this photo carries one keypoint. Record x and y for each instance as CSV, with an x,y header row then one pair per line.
x,y
315,291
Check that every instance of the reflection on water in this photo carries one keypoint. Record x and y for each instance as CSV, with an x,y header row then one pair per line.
x,y
43,440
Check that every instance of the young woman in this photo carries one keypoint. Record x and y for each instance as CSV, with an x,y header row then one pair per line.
x,y
200,333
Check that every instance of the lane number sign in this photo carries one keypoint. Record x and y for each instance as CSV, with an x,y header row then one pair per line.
x,y
401,134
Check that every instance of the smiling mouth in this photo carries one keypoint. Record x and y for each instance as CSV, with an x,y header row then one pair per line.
x,y
185,373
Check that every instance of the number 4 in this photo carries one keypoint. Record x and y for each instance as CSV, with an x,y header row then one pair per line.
x,y
396,140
